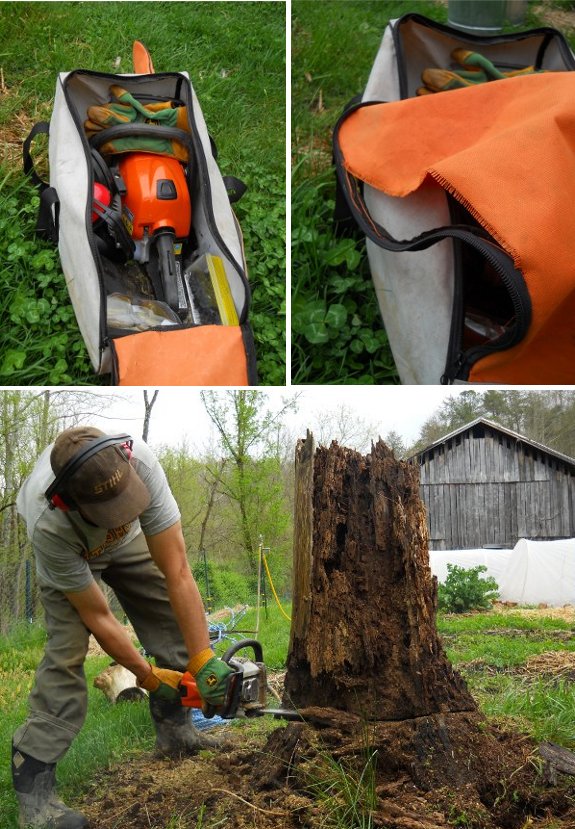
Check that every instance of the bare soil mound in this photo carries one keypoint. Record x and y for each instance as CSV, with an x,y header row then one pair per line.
x,y
480,778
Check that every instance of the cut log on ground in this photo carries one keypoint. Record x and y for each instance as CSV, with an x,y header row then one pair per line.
x,y
119,684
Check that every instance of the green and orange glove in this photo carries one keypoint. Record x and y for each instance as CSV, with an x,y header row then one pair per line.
x,y
162,683
124,108
211,675
476,68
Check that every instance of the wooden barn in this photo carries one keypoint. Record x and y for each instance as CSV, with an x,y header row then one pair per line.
x,y
486,485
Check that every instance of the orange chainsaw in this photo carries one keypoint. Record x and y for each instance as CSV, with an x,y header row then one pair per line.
x,y
142,204
246,691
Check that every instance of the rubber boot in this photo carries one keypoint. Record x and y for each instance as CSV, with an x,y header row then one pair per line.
x,y
35,785
175,734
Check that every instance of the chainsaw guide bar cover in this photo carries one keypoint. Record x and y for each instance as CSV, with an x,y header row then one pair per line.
x,y
456,165
149,244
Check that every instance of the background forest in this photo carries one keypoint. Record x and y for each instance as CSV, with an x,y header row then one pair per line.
x,y
237,494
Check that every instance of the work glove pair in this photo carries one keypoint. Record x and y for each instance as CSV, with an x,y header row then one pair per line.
x,y
476,68
124,108
210,673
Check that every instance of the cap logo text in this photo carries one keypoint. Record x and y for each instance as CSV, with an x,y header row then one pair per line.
x,y
110,483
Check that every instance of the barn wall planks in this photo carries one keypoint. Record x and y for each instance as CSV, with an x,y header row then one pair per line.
x,y
485,487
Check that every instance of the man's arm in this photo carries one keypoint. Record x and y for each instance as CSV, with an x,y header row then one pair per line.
x,y
168,549
94,611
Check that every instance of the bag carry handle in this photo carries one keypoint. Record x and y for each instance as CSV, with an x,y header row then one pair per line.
x,y
41,128
235,188
47,223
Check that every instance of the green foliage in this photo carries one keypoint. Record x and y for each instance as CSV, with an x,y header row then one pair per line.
x,y
225,588
236,60
336,326
251,480
262,216
466,590
39,339
337,334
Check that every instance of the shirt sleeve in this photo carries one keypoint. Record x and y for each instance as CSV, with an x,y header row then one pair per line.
x,y
59,563
163,510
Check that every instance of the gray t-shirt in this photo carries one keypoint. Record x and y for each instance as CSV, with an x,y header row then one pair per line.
x,y
64,544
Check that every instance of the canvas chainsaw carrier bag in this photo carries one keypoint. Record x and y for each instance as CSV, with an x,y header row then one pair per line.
x,y
149,243
466,198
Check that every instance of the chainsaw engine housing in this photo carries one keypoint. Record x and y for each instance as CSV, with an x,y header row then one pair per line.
x,y
157,195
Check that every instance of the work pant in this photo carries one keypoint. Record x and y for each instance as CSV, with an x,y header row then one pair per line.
x,y
58,701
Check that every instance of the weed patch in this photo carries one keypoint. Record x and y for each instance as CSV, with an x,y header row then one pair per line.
x,y
336,332
39,339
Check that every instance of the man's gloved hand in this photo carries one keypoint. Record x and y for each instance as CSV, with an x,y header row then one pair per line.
x,y
162,683
211,675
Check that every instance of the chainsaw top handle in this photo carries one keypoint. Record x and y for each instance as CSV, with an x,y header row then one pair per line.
x,y
239,646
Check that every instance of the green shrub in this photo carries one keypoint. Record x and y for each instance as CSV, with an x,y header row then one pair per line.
x,y
227,587
466,590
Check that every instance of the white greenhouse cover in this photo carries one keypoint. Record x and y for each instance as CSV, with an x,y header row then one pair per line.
x,y
540,572
534,572
495,560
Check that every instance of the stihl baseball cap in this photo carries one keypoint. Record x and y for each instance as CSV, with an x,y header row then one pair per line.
x,y
106,488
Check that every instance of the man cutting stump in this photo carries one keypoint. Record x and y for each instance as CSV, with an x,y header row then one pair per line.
x,y
98,510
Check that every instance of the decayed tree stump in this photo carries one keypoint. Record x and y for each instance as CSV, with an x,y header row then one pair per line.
x,y
363,637
366,669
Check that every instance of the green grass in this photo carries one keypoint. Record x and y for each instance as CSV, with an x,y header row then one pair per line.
x,y
502,651
346,796
541,706
236,61
337,334
273,633
477,622
110,734
538,705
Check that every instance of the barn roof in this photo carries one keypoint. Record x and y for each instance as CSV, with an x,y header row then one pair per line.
x,y
503,430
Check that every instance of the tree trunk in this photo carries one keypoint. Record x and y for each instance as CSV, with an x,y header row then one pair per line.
x,y
148,406
388,727
363,634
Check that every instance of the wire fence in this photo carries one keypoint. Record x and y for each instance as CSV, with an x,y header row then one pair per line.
x,y
20,594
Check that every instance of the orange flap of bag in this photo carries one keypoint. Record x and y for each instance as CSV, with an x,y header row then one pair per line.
x,y
209,355
506,151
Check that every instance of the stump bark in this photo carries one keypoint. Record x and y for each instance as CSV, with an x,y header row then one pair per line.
x,y
363,637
